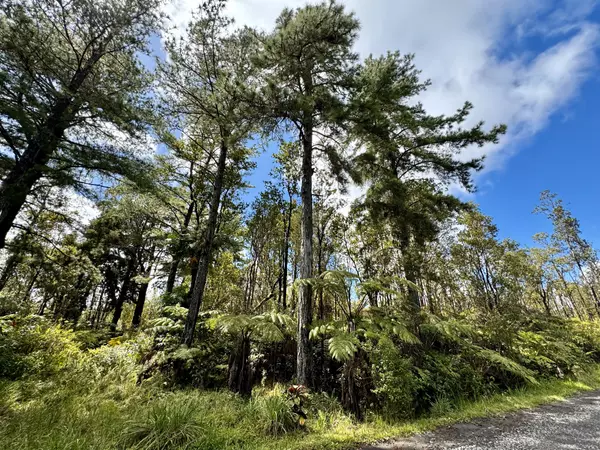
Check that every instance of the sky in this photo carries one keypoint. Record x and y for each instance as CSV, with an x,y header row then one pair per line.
x,y
530,64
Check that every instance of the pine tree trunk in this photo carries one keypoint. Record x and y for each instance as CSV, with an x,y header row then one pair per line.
x,y
122,294
303,360
139,306
206,251
17,185
177,258
286,253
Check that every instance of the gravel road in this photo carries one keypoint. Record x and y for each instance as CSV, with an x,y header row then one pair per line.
x,y
572,424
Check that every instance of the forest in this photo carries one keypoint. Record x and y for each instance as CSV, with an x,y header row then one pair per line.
x,y
152,298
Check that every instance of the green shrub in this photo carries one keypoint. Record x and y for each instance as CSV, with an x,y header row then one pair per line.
x,y
449,377
586,335
203,365
394,381
33,346
89,339
441,407
548,355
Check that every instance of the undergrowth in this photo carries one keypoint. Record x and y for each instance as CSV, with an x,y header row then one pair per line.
x,y
51,415
87,393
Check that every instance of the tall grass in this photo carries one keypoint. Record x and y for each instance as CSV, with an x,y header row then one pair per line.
x,y
274,414
66,415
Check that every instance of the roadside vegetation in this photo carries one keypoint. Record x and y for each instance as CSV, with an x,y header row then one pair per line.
x,y
65,389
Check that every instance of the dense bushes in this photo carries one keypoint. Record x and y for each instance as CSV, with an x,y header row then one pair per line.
x,y
454,359
51,371
32,345
394,380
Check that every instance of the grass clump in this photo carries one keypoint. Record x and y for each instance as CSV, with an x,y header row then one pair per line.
x,y
274,414
168,424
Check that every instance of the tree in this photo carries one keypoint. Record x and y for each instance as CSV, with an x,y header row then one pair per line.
x,y
70,80
493,269
126,240
308,64
411,157
207,79
567,238
184,179
287,174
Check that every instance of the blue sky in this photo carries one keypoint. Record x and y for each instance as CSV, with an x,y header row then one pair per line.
x,y
563,157
531,64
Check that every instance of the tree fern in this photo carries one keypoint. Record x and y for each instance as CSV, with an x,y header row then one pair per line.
x,y
267,327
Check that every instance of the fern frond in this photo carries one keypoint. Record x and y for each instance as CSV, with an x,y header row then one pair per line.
x,y
272,326
175,312
342,346
163,325
403,333
267,331
319,331
453,330
505,363
228,323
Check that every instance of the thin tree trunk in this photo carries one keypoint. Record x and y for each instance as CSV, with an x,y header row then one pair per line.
x,y
93,307
139,306
30,286
185,302
303,359
9,268
206,251
42,307
544,297
122,294
172,274
99,308
77,310
414,302
177,258
286,253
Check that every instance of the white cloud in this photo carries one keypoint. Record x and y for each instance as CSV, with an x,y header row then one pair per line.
x,y
472,50
80,207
